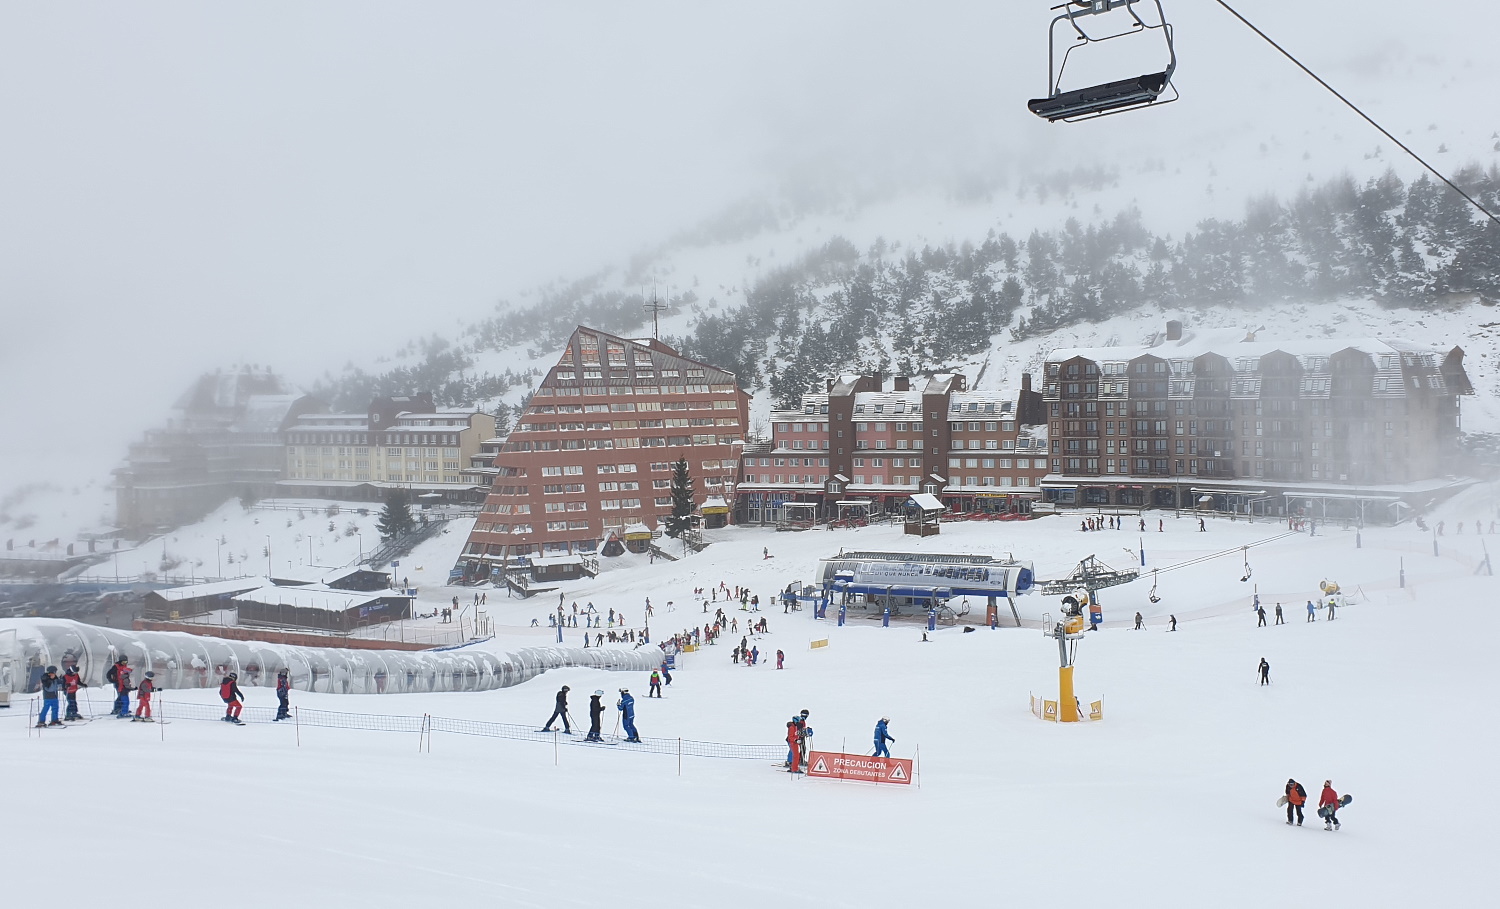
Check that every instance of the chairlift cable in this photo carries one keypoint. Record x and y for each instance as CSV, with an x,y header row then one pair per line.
x,y
1352,106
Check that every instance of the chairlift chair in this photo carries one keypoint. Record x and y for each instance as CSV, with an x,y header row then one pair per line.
x,y
1152,596
1109,97
1245,553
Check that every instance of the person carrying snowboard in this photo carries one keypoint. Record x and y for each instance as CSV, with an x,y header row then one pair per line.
x,y
283,695
1296,797
118,676
52,686
596,710
143,699
655,690
626,707
881,737
233,698
1328,806
560,710
1265,671
72,681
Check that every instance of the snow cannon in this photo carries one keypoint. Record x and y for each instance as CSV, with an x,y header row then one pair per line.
x,y
1329,588
1067,631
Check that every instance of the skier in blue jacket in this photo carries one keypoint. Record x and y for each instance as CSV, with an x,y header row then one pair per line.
x,y
627,711
881,737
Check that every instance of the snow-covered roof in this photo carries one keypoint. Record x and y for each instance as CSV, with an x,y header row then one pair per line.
x,y
545,561
315,574
214,588
314,596
1196,345
927,502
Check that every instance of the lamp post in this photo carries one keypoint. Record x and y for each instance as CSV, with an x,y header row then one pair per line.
x,y
361,547
218,559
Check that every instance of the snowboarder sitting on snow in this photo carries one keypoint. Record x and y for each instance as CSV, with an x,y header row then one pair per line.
x,y
626,706
72,681
1296,797
881,737
233,698
596,710
283,694
52,686
561,710
655,690
1328,806
143,699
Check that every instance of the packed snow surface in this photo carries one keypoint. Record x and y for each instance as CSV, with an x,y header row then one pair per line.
x,y
1169,801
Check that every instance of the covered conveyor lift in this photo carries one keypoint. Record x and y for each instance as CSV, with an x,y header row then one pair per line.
x,y
1109,97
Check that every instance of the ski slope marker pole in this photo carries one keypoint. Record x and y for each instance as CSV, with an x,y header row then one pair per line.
x,y
679,755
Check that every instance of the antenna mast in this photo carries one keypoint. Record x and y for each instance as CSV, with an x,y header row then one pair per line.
x,y
655,309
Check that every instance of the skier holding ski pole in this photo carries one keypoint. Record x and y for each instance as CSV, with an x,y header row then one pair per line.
x,y
881,737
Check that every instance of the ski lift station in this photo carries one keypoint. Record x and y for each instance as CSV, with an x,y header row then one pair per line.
x,y
927,579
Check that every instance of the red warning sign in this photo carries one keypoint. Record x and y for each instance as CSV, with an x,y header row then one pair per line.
x,y
862,767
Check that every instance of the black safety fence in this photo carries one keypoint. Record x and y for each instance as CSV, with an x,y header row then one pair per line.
x,y
426,725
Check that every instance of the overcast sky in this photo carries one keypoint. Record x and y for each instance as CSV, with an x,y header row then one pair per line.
x,y
187,185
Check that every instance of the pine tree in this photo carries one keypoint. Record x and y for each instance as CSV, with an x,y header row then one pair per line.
x,y
395,518
681,518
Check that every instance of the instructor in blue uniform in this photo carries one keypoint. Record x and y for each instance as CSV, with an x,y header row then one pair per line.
x,y
627,715
881,737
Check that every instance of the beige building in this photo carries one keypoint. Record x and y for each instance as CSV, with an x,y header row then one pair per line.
x,y
361,456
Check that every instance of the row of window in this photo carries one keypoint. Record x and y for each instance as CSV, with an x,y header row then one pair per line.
x,y
564,391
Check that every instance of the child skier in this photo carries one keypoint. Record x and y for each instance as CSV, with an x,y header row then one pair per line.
x,y
626,706
143,699
655,690
780,660
72,681
596,710
233,698
881,737
283,695
52,686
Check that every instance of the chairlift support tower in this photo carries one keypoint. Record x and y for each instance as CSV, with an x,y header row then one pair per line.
x,y
1109,97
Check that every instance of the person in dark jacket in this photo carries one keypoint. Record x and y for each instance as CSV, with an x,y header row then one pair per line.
x,y
561,710
596,710
284,693
1296,797
1265,671
881,737
52,686
118,677
626,706
654,689
72,681
233,698
143,699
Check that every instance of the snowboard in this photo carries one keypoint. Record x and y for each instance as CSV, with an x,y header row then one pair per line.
x,y
1281,802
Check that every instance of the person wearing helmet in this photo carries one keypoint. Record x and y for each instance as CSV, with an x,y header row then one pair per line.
x,y
118,677
626,706
72,681
561,710
233,698
283,694
596,710
654,691
1328,806
52,686
882,736
143,699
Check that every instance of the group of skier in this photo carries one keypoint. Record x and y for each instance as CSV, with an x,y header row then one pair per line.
x,y
799,741
119,678
626,706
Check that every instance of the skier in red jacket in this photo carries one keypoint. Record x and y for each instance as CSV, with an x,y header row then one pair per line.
x,y
1328,806
229,692
143,699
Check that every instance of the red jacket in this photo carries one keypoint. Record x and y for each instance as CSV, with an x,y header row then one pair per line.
x,y
72,681
1329,797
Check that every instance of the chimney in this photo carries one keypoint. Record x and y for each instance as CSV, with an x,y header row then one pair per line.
x,y
901,383
1174,330
1026,381
829,389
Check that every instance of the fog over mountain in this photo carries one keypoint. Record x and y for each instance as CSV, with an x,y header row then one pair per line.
x,y
307,186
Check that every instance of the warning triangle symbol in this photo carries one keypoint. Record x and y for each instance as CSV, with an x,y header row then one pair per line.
x,y
897,773
820,767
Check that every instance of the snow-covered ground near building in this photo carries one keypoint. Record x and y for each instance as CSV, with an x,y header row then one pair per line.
x,y
1169,801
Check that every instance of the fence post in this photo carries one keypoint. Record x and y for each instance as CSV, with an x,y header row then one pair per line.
x,y
297,721
554,747
918,767
161,707
679,755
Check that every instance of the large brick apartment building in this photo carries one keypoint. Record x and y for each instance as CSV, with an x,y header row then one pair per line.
x,y
869,442
592,454
1336,426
